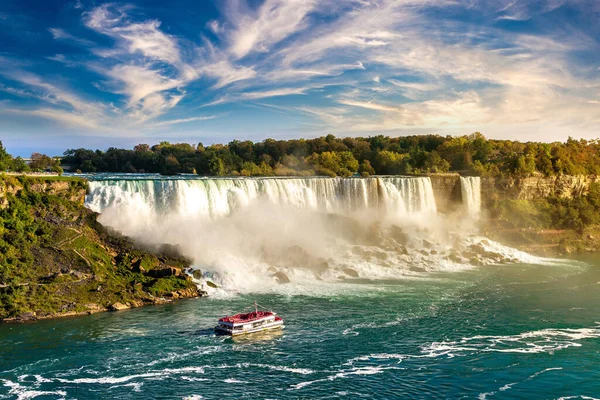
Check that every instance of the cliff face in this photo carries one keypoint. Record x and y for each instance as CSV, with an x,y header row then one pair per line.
x,y
447,188
73,190
564,186
447,191
56,260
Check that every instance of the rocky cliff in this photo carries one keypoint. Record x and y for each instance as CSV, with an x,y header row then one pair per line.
x,y
56,260
72,189
447,189
563,186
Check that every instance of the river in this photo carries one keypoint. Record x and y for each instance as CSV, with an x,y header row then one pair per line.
x,y
414,325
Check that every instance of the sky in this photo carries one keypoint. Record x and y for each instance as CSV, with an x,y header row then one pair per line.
x,y
93,74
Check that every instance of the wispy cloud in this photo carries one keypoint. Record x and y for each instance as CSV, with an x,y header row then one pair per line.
x,y
181,121
272,93
61,34
251,30
344,66
368,105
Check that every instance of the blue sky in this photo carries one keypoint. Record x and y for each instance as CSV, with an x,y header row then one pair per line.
x,y
92,74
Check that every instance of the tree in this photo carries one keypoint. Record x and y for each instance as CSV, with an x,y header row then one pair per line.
x,y
435,163
215,166
5,158
390,163
365,168
41,162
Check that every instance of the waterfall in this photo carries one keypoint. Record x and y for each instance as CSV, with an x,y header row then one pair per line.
x,y
218,197
245,232
471,194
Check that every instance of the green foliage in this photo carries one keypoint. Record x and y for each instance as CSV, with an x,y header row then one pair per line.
x,y
391,163
54,254
159,287
41,162
366,169
332,156
577,213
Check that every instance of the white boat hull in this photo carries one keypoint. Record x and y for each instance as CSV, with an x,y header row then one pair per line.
x,y
238,332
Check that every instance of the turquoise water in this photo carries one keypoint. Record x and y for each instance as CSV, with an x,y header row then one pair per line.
x,y
518,331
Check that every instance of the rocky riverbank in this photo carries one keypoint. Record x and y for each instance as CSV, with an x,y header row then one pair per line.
x,y
57,261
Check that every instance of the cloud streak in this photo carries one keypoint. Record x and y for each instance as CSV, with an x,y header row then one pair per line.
x,y
351,66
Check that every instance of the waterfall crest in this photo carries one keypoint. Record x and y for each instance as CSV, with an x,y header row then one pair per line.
x,y
471,194
217,197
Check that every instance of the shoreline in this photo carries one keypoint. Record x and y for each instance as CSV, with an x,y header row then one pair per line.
x,y
32,317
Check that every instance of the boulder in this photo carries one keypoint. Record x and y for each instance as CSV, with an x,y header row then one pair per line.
x,y
93,308
118,307
455,257
165,272
350,272
212,284
427,244
26,316
280,277
136,266
170,251
68,307
399,235
197,274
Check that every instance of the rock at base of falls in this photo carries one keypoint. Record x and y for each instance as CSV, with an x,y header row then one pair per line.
x,y
212,284
280,277
350,272
170,251
197,274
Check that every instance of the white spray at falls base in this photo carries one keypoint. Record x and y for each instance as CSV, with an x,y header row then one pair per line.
x,y
248,233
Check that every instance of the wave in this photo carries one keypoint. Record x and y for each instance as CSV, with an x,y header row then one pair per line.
x,y
540,341
23,393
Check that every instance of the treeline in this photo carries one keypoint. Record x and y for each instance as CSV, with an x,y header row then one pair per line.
x,y
38,163
332,156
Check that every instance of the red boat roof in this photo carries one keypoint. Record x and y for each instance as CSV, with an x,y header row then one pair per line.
x,y
248,317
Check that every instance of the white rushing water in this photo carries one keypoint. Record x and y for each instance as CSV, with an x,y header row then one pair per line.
x,y
471,194
248,233
218,197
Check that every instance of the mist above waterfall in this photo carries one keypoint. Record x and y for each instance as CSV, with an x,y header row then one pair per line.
x,y
251,232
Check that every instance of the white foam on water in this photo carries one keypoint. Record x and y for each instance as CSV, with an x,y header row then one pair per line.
x,y
136,386
381,356
301,371
233,380
541,341
194,379
366,370
172,357
24,393
509,386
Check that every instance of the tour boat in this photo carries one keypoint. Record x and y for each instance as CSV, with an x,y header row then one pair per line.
x,y
244,323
